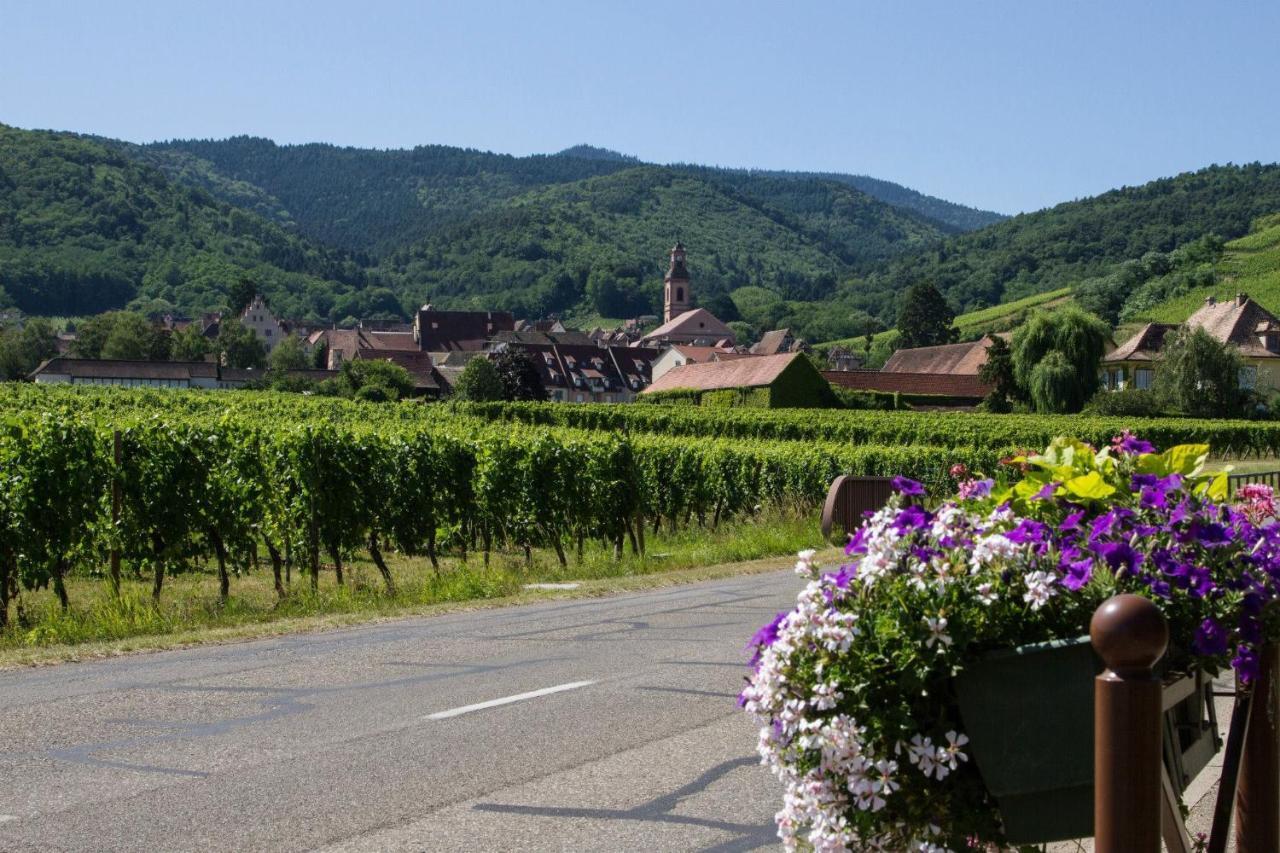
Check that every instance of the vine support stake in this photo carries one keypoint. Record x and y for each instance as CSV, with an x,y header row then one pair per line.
x,y
1258,790
1130,634
115,512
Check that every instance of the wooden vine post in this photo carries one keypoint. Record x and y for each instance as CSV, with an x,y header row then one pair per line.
x,y
1130,634
115,512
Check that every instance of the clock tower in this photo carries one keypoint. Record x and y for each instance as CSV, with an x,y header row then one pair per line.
x,y
677,297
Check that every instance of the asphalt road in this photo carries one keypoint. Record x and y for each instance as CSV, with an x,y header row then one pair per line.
x,y
617,730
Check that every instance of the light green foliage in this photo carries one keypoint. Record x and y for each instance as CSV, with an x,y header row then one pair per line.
x,y
1199,376
22,349
1053,385
239,347
374,380
479,382
189,344
289,354
1067,381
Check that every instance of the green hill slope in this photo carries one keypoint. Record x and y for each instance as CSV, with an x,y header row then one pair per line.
x,y
1249,265
1078,240
376,201
84,229
602,242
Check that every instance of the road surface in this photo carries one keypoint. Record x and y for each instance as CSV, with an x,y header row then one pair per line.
x,y
604,724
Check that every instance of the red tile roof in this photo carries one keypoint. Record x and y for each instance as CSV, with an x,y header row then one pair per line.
x,y
736,373
1143,346
962,359
940,384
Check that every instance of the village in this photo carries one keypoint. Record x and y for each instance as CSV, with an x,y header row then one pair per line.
x,y
689,354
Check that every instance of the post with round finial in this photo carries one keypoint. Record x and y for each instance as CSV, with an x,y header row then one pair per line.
x,y
1130,634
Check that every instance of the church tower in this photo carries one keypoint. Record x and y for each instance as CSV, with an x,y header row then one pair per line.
x,y
677,296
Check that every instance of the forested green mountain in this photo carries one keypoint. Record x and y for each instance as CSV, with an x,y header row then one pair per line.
x,y
547,250
330,233
375,201
1079,240
85,229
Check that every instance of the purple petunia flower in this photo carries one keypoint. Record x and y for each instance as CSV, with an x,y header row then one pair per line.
x,y
910,518
1246,664
1211,638
1119,556
1129,444
905,486
766,636
1072,521
1046,492
971,489
1078,574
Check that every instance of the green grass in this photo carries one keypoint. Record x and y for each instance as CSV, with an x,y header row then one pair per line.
x,y
189,611
1249,265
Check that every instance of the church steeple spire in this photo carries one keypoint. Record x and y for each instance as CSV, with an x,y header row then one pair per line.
x,y
677,296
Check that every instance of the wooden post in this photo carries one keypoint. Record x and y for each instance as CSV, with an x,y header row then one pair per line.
x,y
115,513
1130,634
1258,791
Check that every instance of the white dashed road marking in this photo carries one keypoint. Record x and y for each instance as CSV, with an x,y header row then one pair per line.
x,y
506,700
5,818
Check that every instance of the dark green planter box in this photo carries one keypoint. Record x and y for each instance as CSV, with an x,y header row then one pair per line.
x,y
1028,713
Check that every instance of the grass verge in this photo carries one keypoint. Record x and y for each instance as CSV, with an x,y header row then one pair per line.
x,y
99,624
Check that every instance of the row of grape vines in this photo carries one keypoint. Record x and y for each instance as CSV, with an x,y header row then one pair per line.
x,y
1235,438
161,481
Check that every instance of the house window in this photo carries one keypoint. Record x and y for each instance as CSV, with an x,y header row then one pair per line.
x,y
578,398
1248,377
1142,378
679,294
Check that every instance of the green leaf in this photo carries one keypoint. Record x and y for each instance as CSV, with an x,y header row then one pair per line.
x,y
1090,486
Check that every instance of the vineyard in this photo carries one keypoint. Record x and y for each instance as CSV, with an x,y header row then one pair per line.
x,y
1228,438
97,482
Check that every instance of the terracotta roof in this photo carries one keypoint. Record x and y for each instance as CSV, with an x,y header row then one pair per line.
x,y
736,373
698,323
774,342
961,359
935,384
701,354
1234,321
401,341
86,368
1143,346
459,330
572,337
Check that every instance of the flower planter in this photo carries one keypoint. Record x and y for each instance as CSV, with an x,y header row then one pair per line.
x,y
1028,713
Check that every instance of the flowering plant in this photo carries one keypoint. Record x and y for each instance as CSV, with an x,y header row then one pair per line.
x,y
853,686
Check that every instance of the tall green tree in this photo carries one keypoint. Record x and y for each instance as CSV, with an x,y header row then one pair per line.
x,y
288,355
239,347
925,317
240,295
997,371
479,382
1198,375
1079,338
520,377
189,344
135,338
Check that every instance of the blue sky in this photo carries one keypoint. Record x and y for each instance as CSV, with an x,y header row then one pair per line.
x,y
1006,105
